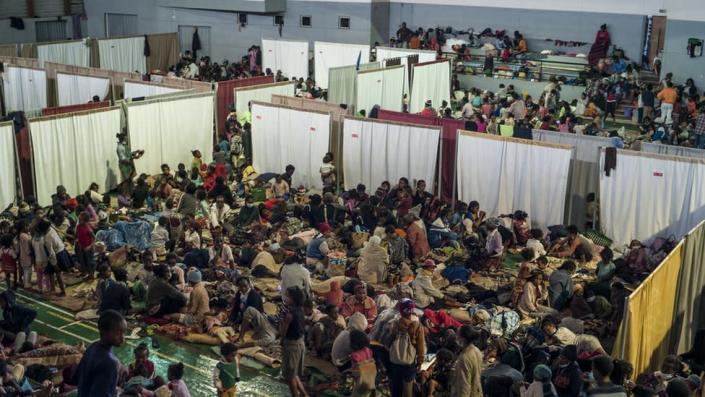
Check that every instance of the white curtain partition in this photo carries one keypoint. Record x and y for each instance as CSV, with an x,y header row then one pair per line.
x,y
136,89
343,80
261,93
75,150
123,55
384,53
383,87
24,88
671,150
430,81
169,129
7,165
281,136
584,173
76,53
376,151
505,175
291,57
330,55
74,89
650,195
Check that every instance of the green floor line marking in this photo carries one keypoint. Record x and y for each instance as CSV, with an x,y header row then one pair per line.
x,y
79,337
70,324
94,329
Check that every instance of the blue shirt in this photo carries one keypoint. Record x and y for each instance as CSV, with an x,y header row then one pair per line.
x,y
97,372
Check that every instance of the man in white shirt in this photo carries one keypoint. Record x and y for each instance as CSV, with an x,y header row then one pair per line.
x,y
218,211
294,274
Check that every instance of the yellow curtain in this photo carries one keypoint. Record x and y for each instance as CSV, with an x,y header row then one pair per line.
x,y
645,333
9,50
164,51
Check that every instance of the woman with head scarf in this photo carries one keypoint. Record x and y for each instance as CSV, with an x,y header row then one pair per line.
x,y
403,375
542,386
374,259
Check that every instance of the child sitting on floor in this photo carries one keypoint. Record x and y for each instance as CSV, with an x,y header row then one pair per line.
x,y
178,388
141,353
226,373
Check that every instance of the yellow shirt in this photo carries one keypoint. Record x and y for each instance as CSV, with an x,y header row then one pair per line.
x,y
668,95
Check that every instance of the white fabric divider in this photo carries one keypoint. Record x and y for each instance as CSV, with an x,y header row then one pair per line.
x,y
136,89
261,93
24,88
671,150
649,195
76,53
584,173
384,53
169,129
377,151
282,135
75,150
430,81
289,56
343,80
506,174
383,87
75,89
330,55
8,165
123,55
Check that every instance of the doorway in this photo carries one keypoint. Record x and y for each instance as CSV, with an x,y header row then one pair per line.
x,y
658,36
186,39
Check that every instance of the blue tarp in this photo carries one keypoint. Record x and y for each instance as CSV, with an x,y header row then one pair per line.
x,y
136,234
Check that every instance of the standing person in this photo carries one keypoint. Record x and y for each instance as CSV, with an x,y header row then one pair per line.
x,y
647,99
407,351
418,239
24,248
291,329
700,129
97,373
8,256
59,259
327,171
668,97
84,245
602,367
126,158
41,262
466,375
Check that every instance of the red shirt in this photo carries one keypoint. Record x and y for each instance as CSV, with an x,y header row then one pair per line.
x,y
84,236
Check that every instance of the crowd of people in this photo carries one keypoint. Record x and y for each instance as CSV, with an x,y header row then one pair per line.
x,y
393,289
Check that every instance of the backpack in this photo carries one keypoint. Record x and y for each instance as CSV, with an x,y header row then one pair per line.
x,y
402,351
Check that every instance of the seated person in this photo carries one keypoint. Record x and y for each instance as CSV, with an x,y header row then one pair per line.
x,y
117,295
535,243
575,246
246,297
560,288
520,227
15,317
604,274
141,353
263,333
360,303
326,330
162,297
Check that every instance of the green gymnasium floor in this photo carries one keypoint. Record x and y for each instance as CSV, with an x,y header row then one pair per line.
x,y
59,324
